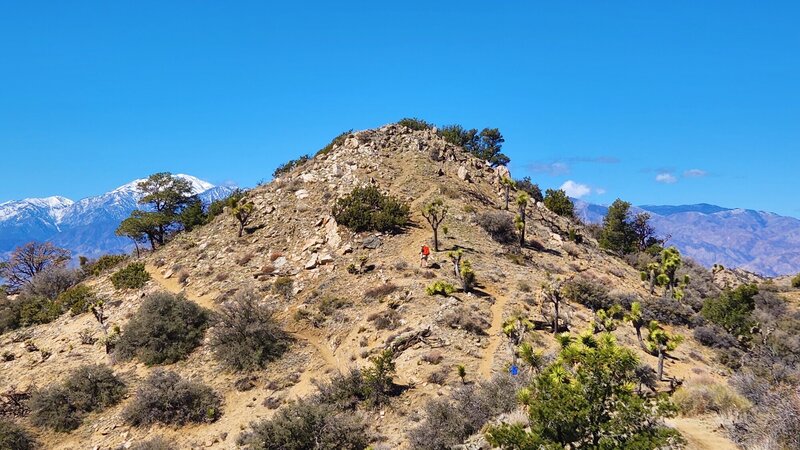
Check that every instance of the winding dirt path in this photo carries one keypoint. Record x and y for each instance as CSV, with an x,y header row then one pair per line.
x,y
207,301
701,434
495,334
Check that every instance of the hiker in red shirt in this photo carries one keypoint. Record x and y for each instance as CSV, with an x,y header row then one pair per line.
x,y
423,256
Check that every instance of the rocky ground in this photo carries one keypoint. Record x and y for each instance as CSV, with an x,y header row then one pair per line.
x,y
294,235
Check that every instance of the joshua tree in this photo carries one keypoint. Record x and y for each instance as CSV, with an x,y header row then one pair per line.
x,y
533,358
650,275
636,319
507,183
519,221
551,293
670,263
462,373
659,342
435,212
463,270
241,210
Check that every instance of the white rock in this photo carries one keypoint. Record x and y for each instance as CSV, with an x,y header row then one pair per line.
x,y
301,194
463,174
312,262
325,258
279,262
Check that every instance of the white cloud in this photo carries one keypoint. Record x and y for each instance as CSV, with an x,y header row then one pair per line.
x,y
666,178
694,173
576,190
599,191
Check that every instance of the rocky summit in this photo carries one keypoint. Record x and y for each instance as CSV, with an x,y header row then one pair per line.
x,y
343,298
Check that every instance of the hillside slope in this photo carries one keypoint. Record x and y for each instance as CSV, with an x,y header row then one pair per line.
x,y
293,236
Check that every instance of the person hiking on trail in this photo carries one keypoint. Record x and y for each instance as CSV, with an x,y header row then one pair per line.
x,y
423,256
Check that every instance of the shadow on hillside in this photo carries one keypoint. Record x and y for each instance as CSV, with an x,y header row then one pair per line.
x,y
253,229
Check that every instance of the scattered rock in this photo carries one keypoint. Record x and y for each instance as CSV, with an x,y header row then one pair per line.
x,y
312,262
301,194
372,242
463,175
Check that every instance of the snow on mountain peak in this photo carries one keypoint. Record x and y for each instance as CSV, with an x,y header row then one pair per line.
x,y
54,202
198,185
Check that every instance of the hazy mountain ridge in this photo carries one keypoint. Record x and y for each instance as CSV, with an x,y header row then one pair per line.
x,y
86,227
758,241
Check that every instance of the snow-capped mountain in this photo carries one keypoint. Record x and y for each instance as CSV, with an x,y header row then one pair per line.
x,y
757,241
87,226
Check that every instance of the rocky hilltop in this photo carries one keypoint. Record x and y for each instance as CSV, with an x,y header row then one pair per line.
x,y
293,240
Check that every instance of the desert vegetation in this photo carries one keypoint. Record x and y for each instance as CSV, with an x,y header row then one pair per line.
x,y
165,329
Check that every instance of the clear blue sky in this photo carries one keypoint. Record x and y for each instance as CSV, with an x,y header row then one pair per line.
x,y
608,96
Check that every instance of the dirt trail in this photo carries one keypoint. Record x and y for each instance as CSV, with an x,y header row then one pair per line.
x,y
495,334
172,285
207,301
701,434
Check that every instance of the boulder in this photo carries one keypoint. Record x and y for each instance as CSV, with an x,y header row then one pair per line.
x,y
463,174
312,262
372,242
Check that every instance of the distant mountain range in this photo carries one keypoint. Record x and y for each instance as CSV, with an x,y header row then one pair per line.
x,y
758,241
85,227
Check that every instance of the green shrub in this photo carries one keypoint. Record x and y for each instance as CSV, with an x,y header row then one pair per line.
x,y
62,407
533,190
77,299
499,225
588,292
415,124
367,209
733,309
796,281
156,443
290,165
164,397
104,263
37,310
14,437
558,202
51,408
165,329
133,276
94,387
440,288
246,335
308,426
450,420
378,384
704,396
283,286
338,140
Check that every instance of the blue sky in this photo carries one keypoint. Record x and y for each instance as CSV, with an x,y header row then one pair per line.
x,y
657,103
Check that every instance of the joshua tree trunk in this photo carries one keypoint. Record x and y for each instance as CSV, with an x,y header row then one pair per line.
x,y
652,281
508,189
660,363
436,239
555,319
639,336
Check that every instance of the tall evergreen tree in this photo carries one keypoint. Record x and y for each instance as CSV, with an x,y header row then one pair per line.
x,y
164,198
617,234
